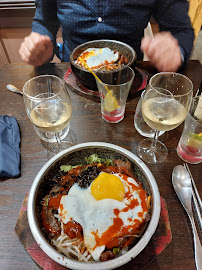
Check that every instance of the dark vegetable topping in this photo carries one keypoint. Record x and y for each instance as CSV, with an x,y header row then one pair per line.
x,y
85,178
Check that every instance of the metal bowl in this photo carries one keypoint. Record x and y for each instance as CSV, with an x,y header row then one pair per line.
x,y
82,74
76,155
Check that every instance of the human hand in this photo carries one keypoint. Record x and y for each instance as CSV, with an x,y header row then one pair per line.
x,y
36,49
163,51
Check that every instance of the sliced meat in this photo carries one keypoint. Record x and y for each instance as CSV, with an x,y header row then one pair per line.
x,y
76,171
49,222
73,229
107,255
54,201
123,60
116,242
124,167
110,169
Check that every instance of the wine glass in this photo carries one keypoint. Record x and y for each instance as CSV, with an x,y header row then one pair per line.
x,y
49,108
165,105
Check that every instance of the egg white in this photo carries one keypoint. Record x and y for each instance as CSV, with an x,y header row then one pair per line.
x,y
98,57
97,216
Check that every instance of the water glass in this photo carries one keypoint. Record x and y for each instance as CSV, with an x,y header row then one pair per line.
x,y
114,86
189,147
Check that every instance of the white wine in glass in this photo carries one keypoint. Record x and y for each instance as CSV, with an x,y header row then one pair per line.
x,y
51,115
165,105
163,113
49,108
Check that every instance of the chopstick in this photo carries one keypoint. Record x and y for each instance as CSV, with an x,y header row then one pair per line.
x,y
196,197
199,90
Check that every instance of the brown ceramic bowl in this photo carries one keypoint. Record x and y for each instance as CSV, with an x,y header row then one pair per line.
x,y
76,155
82,74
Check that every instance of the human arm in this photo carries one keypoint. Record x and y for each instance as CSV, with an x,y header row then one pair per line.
x,y
168,48
36,49
163,51
39,47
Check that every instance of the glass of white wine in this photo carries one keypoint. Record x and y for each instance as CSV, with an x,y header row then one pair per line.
x,y
49,108
165,105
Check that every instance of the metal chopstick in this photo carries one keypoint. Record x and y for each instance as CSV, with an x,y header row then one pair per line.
x,y
193,183
199,91
196,196
198,210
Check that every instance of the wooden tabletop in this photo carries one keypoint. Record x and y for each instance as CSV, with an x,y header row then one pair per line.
x,y
86,126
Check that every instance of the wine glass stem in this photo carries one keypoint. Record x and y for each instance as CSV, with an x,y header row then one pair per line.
x,y
57,136
154,141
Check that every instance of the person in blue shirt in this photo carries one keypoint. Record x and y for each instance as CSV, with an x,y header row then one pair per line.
x,y
123,20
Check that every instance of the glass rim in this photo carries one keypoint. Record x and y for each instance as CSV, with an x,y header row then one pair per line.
x,y
121,84
171,73
40,76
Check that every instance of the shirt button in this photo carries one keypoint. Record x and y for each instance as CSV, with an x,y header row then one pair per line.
x,y
99,19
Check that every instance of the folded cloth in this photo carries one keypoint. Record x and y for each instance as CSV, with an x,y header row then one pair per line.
x,y
9,147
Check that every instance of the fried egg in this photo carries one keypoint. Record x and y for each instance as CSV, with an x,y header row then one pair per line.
x,y
97,57
102,213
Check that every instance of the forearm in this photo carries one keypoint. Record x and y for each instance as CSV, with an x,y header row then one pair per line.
x,y
45,21
173,16
185,41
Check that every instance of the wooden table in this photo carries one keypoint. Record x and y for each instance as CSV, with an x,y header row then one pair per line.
x,y
87,125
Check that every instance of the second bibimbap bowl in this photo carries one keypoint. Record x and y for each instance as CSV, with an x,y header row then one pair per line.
x,y
93,206
97,53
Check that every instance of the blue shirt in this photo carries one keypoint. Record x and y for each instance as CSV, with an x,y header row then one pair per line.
x,y
124,20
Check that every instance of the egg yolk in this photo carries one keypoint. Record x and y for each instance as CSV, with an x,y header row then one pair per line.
x,y
107,186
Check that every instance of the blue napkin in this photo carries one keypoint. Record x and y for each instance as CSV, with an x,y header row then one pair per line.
x,y
9,147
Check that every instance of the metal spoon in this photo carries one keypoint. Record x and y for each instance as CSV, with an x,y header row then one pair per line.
x,y
182,185
14,89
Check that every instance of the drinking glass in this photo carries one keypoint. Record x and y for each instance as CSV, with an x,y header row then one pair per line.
x,y
189,147
139,123
114,86
49,108
164,107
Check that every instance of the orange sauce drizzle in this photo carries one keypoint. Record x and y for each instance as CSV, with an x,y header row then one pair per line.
x,y
117,229
54,202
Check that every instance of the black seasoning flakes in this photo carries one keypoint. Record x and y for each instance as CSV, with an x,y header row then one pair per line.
x,y
86,177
